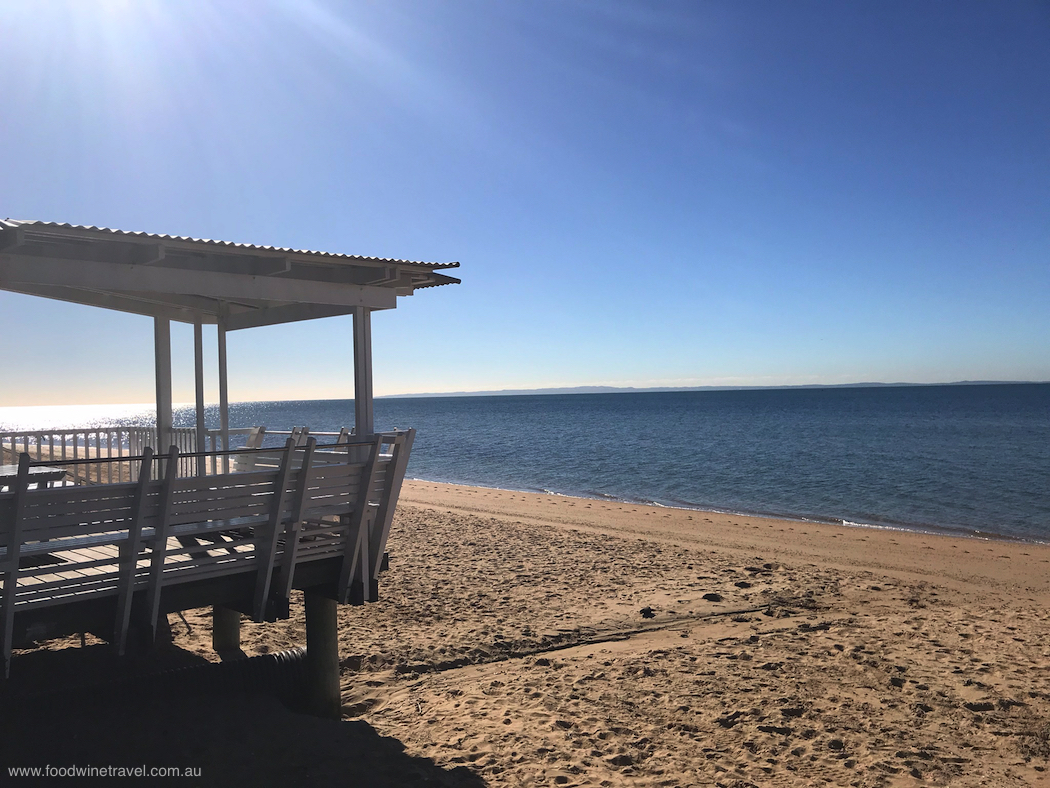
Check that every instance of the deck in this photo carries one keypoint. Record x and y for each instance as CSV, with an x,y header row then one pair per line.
x,y
112,558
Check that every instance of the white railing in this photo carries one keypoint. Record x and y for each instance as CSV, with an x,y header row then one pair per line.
x,y
99,452
213,440
97,443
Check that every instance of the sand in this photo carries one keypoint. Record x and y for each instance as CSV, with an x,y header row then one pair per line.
x,y
527,639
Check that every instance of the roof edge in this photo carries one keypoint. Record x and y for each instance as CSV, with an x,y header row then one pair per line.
x,y
64,227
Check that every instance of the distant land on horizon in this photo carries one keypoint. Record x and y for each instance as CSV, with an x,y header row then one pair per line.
x,y
577,390
656,389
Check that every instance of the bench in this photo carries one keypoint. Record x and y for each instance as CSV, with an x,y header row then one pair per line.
x,y
113,539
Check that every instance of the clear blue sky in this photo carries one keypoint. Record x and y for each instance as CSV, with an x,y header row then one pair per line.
x,y
640,193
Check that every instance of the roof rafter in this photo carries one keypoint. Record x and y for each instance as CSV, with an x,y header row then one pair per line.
x,y
110,301
283,314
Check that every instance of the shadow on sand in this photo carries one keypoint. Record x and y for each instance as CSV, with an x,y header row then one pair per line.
x,y
49,717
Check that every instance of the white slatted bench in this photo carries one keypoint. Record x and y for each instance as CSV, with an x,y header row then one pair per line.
x,y
70,543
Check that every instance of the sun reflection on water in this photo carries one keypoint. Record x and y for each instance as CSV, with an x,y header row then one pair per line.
x,y
47,417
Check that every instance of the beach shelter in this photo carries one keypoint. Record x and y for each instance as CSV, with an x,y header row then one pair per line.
x,y
233,286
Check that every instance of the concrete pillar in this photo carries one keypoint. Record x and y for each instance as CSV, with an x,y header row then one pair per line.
x,y
322,657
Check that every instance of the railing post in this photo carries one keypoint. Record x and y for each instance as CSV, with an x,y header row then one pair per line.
x,y
109,456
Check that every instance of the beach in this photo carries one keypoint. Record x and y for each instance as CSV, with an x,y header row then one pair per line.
x,y
530,639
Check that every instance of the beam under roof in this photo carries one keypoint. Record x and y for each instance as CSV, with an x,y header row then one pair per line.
x,y
193,280
117,277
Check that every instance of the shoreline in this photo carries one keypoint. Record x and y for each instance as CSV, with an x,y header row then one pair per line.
x,y
921,555
954,532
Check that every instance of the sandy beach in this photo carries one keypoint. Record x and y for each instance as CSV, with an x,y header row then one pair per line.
x,y
527,639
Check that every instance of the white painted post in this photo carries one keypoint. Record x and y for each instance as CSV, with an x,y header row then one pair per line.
x,y
198,379
363,417
162,365
226,630
224,395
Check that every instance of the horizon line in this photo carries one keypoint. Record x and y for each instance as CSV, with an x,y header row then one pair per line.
x,y
591,389
557,390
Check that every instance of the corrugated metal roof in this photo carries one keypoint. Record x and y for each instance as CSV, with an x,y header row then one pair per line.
x,y
156,237
196,280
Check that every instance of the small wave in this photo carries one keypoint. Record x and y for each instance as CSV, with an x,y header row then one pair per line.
x,y
887,527
936,530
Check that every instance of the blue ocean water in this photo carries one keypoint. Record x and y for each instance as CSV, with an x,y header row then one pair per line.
x,y
964,458
971,459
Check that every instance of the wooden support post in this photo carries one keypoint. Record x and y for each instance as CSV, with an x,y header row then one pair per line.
x,y
14,548
224,395
198,381
225,629
322,656
363,418
162,364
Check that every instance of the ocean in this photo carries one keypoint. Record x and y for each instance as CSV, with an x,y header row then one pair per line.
x,y
964,459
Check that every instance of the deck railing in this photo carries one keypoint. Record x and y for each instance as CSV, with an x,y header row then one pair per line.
x,y
80,444
106,455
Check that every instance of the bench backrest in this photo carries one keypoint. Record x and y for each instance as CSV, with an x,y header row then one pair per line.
x,y
200,499
74,512
58,543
